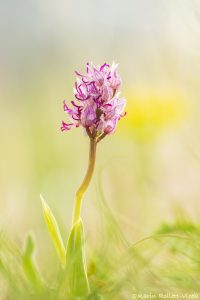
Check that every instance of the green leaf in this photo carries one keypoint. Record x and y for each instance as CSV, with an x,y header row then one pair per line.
x,y
54,232
76,265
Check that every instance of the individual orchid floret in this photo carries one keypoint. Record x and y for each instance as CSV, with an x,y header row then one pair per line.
x,y
98,106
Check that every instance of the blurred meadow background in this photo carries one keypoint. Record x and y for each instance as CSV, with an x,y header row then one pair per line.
x,y
147,174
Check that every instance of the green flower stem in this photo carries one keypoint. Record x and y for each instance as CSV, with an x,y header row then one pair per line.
x,y
84,185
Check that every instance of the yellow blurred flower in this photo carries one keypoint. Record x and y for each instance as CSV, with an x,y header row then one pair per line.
x,y
149,113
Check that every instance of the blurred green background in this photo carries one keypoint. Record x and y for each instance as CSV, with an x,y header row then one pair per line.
x,y
149,170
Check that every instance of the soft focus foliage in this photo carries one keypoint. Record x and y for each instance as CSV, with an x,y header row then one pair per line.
x,y
151,113
167,261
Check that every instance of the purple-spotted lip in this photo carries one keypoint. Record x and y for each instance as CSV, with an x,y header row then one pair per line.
x,y
91,88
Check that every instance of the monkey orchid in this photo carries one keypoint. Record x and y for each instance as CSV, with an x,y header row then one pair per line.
x,y
97,108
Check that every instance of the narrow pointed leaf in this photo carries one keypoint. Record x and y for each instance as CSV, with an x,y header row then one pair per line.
x,y
76,265
54,231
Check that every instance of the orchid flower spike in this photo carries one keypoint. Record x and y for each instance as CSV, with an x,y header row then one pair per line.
x,y
97,107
